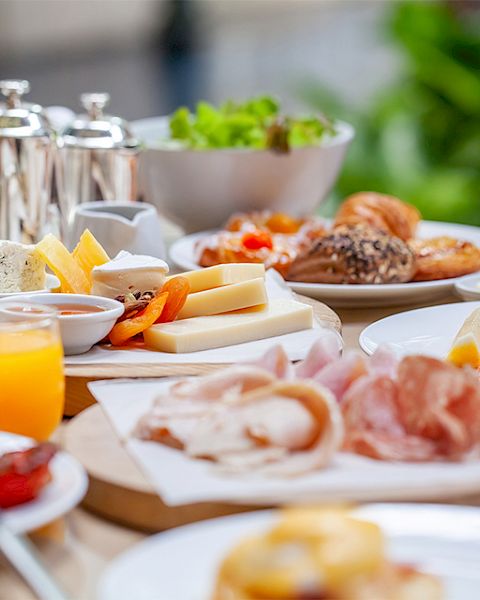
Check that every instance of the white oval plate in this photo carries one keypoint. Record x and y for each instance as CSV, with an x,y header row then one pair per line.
x,y
428,330
181,564
67,488
51,283
182,253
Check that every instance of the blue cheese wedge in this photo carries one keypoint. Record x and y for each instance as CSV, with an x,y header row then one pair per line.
x,y
21,268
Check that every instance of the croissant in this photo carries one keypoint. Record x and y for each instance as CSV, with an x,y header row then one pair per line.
x,y
443,258
387,213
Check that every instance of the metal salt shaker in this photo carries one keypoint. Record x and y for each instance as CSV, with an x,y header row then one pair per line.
x,y
96,159
27,148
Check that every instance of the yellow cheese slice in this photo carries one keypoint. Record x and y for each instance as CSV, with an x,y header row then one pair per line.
x,y
225,299
215,331
465,349
213,277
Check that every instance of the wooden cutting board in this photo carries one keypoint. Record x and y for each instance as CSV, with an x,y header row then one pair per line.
x,y
118,489
77,396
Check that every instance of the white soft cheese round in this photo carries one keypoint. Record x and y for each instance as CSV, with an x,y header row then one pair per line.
x,y
128,273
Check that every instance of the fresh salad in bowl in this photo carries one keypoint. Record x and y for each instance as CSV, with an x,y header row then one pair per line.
x,y
257,123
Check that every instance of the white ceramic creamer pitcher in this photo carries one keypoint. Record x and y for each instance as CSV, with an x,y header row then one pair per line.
x,y
133,226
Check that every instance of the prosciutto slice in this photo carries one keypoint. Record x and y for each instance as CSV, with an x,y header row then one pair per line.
x,y
425,410
373,422
440,402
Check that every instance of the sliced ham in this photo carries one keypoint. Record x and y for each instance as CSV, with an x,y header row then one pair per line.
x,y
237,379
323,352
294,442
269,421
339,375
283,428
276,419
276,362
176,412
384,361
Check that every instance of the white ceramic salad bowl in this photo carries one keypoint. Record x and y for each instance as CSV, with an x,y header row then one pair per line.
x,y
200,189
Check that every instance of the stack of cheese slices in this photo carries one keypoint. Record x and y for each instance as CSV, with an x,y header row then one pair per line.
x,y
227,305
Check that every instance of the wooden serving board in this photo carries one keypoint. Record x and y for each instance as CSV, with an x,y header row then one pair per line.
x,y
77,396
118,489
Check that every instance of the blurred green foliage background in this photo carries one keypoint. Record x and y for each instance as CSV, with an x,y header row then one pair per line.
x,y
420,138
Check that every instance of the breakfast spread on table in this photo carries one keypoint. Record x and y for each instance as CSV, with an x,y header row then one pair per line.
x,y
319,553
301,420
372,241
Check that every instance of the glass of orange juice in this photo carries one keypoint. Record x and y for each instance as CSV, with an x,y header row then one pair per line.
x,y
32,382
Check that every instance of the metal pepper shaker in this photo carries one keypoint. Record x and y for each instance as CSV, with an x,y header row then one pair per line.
x,y
96,159
27,148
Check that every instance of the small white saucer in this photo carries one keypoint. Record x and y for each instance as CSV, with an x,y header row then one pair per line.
x,y
468,287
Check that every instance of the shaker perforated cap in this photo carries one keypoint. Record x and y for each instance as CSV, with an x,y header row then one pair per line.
x,y
96,130
20,119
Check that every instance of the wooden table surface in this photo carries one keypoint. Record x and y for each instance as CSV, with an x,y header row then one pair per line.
x,y
77,548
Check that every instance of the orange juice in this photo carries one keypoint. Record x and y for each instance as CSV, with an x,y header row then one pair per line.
x,y
32,385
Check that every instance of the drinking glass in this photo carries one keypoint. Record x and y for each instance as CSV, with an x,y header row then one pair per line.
x,y
32,382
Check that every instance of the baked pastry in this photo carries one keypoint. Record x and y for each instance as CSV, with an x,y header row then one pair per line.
x,y
356,254
275,222
444,257
387,213
251,241
319,554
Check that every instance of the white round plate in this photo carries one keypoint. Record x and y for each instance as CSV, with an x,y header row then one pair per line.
x,y
181,564
468,287
67,488
182,253
51,283
428,330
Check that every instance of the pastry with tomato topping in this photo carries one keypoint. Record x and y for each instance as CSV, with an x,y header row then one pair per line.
x,y
24,474
275,222
273,239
